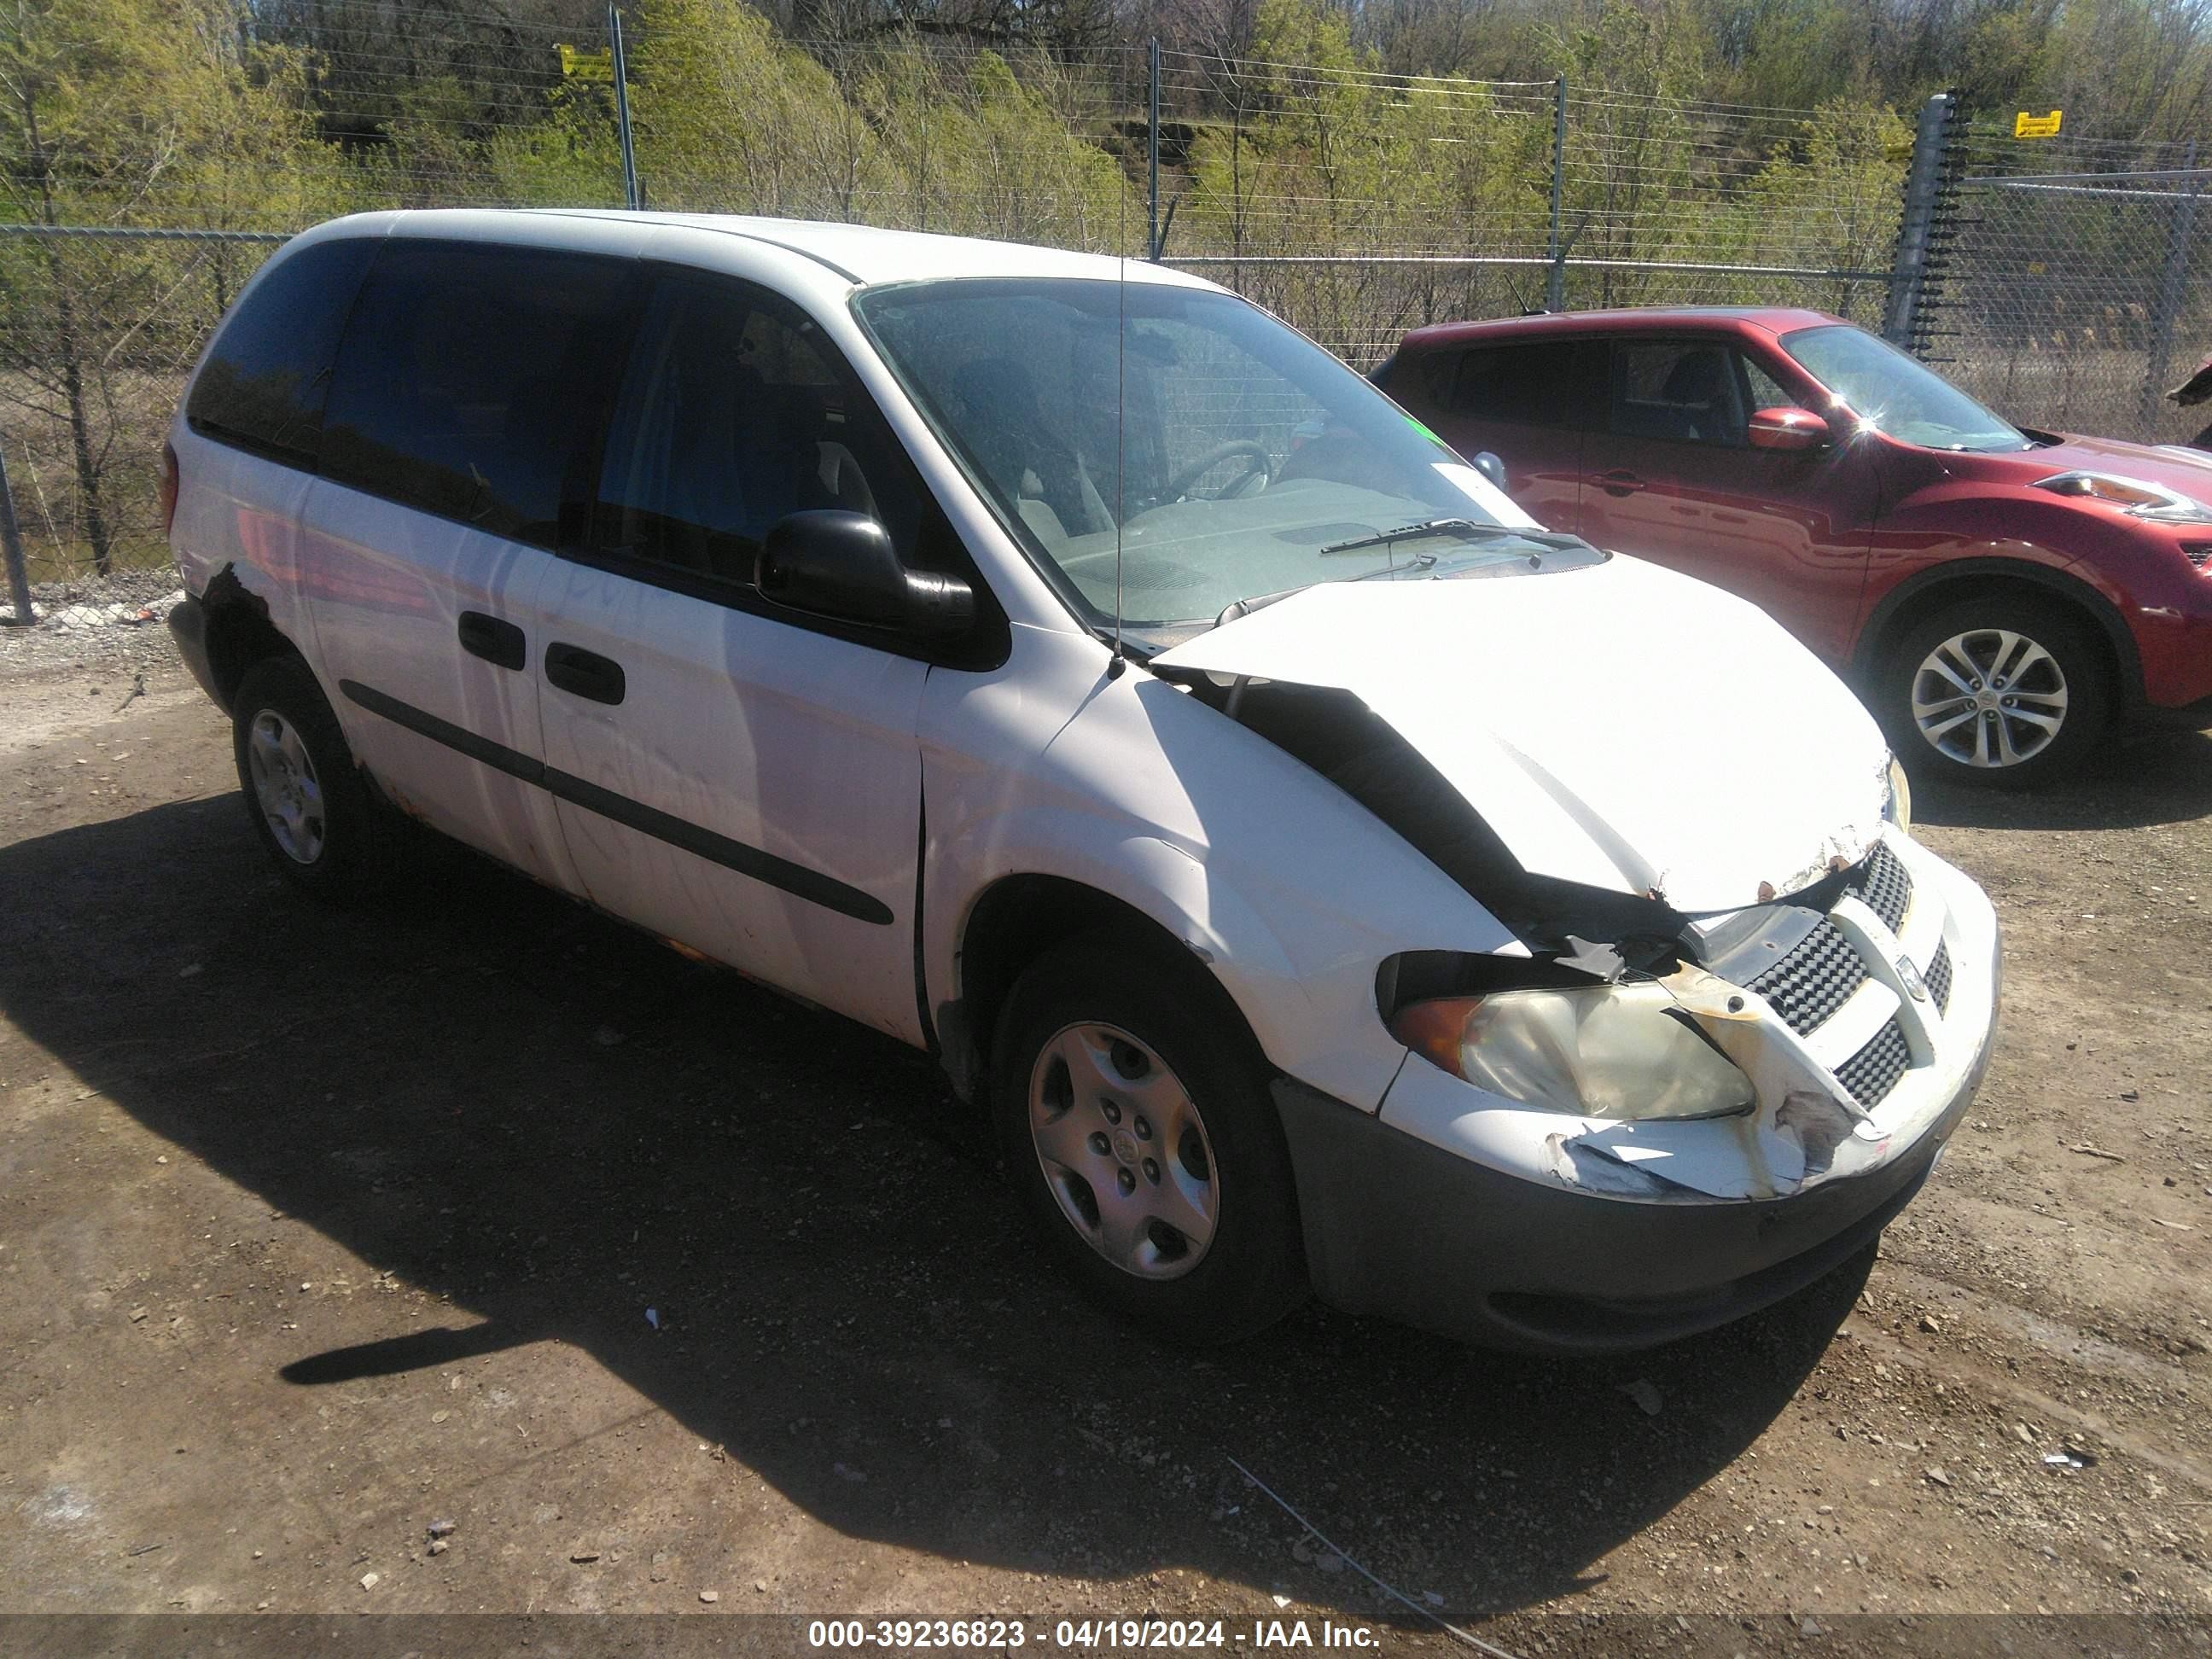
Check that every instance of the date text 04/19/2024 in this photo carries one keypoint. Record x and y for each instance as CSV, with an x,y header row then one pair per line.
x,y
1088,1634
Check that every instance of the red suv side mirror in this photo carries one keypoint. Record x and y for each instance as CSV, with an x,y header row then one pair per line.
x,y
1788,429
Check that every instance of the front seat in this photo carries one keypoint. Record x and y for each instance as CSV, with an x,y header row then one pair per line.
x,y
1041,477
1701,388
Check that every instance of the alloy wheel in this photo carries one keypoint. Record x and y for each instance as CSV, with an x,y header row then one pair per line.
x,y
1989,697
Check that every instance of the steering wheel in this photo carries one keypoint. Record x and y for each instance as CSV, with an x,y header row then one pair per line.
x,y
1256,454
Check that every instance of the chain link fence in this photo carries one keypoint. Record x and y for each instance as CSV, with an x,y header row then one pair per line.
x,y
1356,205
1360,205
2075,289
97,333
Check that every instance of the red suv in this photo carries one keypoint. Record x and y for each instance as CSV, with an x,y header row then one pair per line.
x,y
2001,596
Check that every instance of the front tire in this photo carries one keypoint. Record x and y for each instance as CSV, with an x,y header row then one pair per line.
x,y
312,807
2004,692
1133,1111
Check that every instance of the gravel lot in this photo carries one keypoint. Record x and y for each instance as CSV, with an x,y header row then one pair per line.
x,y
319,1228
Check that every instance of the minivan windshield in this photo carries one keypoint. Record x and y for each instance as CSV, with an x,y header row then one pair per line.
x,y
1896,395
1245,462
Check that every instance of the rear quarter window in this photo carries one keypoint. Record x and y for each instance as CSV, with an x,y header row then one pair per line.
x,y
471,377
264,382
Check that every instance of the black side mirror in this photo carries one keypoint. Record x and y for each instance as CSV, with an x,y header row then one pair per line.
x,y
842,565
1487,463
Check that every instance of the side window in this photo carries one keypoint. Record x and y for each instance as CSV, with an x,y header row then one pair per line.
x,y
266,375
1766,392
1529,383
468,377
1682,391
734,412
1439,371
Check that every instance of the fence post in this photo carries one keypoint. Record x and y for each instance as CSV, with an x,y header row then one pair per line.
x,y
1555,281
11,544
2170,283
1924,181
1153,152
633,198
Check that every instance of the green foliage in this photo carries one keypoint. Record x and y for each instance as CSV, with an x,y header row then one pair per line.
x,y
732,118
1314,128
129,112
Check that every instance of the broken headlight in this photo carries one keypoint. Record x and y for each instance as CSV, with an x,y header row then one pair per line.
x,y
1611,1051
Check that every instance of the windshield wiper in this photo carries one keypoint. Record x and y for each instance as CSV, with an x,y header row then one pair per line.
x,y
1559,541
1473,530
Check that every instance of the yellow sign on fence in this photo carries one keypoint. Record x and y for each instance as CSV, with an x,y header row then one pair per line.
x,y
2025,125
590,65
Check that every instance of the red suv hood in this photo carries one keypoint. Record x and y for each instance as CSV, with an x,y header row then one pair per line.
x,y
2189,471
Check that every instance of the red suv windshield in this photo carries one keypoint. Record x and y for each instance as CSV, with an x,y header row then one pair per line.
x,y
1895,395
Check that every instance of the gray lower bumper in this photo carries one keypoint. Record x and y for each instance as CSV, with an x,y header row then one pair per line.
x,y
188,627
1397,1227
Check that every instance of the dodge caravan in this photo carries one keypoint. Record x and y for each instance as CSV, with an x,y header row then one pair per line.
x,y
1322,877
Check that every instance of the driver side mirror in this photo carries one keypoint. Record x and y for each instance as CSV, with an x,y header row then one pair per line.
x,y
1788,429
1486,463
842,566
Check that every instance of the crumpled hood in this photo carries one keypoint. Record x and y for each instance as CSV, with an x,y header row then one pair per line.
x,y
1619,725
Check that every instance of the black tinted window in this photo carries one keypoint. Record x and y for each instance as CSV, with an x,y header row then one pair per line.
x,y
263,381
1686,391
734,412
468,377
1530,384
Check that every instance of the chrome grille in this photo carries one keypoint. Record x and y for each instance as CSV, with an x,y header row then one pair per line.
x,y
1939,978
1871,1072
1884,885
1817,977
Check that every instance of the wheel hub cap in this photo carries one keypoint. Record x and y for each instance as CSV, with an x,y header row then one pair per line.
x,y
285,787
1124,1151
1989,697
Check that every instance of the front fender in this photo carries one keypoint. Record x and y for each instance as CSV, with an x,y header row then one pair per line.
x,y
1942,536
1290,891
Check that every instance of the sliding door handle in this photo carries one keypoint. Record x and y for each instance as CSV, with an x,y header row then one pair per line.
x,y
585,673
497,641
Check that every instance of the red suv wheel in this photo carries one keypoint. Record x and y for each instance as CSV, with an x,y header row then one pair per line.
x,y
2001,691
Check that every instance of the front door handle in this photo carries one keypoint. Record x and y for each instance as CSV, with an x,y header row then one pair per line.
x,y
585,673
1619,482
497,641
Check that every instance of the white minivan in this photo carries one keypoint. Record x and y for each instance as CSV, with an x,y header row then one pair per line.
x,y
1322,878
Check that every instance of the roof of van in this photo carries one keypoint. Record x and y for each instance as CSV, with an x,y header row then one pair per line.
x,y
862,253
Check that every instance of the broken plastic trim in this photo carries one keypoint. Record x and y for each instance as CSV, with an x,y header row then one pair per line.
x,y
1413,976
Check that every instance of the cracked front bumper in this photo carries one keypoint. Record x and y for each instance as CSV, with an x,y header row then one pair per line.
x,y
1468,1214
1399,1228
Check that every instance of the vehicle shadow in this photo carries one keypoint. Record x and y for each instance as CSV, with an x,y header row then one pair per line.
x,y
501,1098
2158,777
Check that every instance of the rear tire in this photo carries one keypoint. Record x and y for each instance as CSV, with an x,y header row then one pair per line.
x,y
311,805
1132,1110
2003,691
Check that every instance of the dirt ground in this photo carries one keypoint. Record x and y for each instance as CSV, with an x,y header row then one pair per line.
x,y
319,1228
